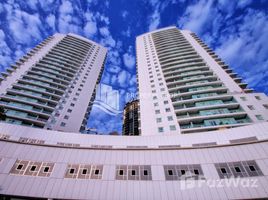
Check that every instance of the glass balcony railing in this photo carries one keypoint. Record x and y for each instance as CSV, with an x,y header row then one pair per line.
x,y
216,122
203,113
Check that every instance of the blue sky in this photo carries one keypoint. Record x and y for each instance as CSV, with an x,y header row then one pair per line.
x,y
236,30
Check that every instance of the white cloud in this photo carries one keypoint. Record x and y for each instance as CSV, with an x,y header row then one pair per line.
x,y
196,16
129,58
24,26
104,31
154,20
51,21
124,14
5,51
90,28
127,32
66,7
123,78
32,4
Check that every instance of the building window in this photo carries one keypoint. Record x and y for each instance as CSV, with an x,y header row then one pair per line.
x,y
72,104
165,102
158,120
154,97
156,104
172,127
157,111
265,106
153,91
162,89
258,97
251,107
167,109
259,117
243,98
160,84
75,99
69,110
66,117
160,129
62,124
19,167
170,118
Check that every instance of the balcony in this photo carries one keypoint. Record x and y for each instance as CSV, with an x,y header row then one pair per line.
x,y
197,117
194,107
214,125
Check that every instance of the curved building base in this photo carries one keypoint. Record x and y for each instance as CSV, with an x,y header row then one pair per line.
x,y
226,164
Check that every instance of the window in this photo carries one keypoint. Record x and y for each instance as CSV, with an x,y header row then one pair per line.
x,y
75,99
172,127
237,169
153,91
121,172
252,168
72,104
182,172
57,114
156,104
259,117
97,172
33,168
84,171
157,112
71,171
160,129
154,97
69,110
251,107
158,120
170,118
62,124
265,106
243,98
152,86
170,172
223,170
162,89
258,97
46,169
145,173
133,173
167,109
66,117
152,81
19,167
165,102
160,84
196,172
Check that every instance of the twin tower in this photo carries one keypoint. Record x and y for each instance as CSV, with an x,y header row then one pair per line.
x,y
184,87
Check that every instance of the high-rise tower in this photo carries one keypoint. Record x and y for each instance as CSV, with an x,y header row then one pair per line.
x,y
53,86
130,118
185,87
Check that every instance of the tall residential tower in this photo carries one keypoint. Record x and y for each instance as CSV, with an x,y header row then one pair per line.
x,y
53,86
185,87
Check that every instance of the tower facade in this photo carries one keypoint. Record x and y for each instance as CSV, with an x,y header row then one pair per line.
x,y
53,85
185,87
130,118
